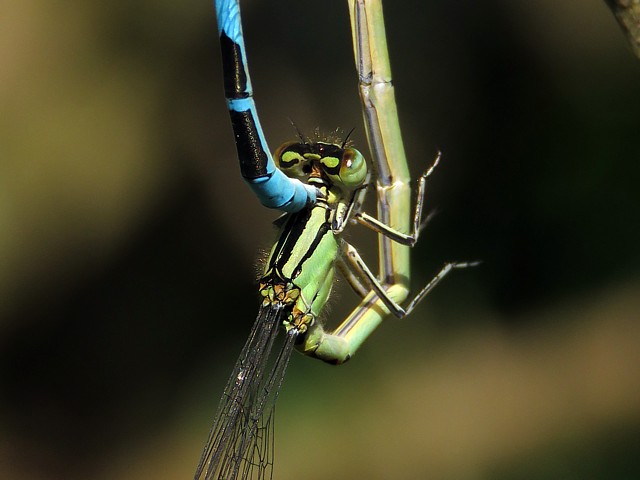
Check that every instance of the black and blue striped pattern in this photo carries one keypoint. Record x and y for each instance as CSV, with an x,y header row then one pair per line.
x,y
273,188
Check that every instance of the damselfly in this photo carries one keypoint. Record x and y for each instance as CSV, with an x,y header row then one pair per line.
x,y
320,185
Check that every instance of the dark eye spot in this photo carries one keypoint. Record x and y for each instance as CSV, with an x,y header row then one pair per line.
x,y
348,157
306,168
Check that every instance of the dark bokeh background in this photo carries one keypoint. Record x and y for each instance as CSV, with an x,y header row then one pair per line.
x,y
129,245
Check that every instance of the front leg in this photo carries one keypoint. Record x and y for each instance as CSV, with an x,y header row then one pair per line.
x,y
403,238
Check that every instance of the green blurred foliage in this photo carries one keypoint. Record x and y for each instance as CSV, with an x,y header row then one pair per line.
x,y
129,244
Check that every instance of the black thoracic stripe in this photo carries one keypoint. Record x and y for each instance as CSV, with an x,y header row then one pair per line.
x,y
292,236
253,158
290,233
322,231
289,238
235,77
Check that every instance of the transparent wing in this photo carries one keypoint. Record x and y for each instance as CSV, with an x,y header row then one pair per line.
x,y
240,443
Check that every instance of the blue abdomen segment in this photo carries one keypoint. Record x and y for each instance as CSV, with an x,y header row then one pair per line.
x,y
272,187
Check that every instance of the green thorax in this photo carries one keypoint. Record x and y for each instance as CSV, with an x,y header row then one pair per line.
x,y
300,269
299,273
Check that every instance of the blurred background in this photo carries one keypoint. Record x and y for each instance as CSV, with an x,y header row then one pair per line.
x,y
129,245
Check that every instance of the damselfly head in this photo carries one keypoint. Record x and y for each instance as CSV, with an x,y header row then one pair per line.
x,y
336,164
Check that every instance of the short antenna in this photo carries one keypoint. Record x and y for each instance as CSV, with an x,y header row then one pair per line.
x,y
347,137
303,138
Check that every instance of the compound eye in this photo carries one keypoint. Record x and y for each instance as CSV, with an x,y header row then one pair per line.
x,y
289,159
353,168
